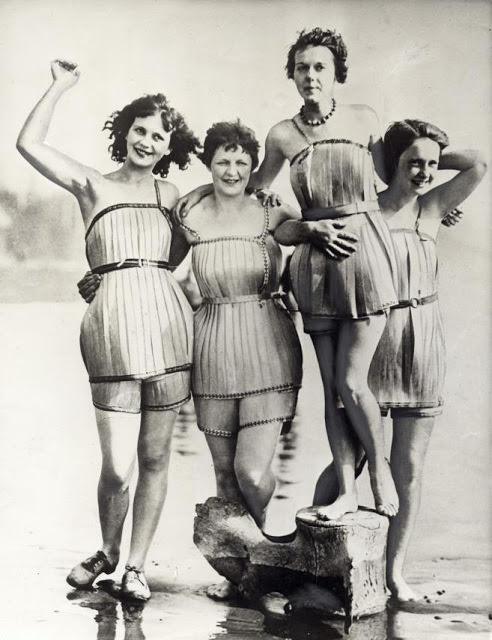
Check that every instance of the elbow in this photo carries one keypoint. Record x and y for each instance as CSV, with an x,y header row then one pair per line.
x,y
481,164
20,146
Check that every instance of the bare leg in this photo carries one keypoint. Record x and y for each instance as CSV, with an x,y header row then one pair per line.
x,y
341,440
252,464
223,450
118,436
410,441
357,343
326,490
154,446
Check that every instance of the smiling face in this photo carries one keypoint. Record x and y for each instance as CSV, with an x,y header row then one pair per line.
x,y
147,141
314,73
418,164
231,170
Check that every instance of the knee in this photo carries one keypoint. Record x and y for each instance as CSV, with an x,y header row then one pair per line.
x,y
248,478
351,388
155,462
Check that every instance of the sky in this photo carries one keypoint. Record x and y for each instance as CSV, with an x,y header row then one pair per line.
x,y
220,59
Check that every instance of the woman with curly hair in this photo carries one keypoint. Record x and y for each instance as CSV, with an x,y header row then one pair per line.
x,y
136,335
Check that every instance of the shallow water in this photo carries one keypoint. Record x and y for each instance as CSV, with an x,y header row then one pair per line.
x,y
49,464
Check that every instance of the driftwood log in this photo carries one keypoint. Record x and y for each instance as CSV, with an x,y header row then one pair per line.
x,y
344,558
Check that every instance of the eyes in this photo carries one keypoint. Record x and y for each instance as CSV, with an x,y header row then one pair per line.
x,y
240,163
432,164
141,131
302,68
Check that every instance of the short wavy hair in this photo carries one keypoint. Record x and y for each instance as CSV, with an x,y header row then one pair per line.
x,y
319,37
230,135
402,134
183,142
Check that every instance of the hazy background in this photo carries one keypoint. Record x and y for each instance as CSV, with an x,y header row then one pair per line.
x,y
218,60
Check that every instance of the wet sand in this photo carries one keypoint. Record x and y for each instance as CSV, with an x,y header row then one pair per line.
x,y
49,464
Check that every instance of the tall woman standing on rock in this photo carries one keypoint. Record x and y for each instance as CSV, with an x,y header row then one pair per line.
x,y
343,294
136,335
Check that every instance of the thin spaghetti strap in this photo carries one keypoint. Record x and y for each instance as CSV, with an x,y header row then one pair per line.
x,y
157,193
296,126
417,219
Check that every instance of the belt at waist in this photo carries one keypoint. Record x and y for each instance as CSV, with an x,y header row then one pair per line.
x,y
130,263
415,302
323,213
254,297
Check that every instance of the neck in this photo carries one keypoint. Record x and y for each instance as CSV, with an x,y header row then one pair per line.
x,y
135,175
318,108
229,204
396,198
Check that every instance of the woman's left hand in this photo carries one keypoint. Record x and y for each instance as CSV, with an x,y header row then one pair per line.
x,y
452,217
267,197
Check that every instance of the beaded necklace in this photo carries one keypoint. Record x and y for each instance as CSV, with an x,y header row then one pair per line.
x,y
320,121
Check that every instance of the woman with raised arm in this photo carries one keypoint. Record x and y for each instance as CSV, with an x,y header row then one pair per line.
x,y
407,371
136,335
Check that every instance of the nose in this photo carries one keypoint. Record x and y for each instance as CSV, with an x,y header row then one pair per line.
x,y
231,170
310,73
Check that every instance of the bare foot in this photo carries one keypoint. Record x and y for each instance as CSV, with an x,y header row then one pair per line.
x,y
401,591
384,490
346,503
223,591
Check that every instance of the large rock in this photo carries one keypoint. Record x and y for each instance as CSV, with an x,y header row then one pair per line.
x,y
344,558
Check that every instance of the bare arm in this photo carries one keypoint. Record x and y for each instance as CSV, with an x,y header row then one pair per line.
x,y
471,167
179,248
376,145
272,162
31,143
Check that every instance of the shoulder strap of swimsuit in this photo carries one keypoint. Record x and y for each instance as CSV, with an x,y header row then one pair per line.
x,y
266,221
417,219
303,134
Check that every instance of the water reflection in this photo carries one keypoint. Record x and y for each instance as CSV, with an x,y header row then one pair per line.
x,y
108,612
181,610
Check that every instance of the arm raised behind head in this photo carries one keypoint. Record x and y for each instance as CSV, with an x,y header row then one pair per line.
x,y
471,167
54,165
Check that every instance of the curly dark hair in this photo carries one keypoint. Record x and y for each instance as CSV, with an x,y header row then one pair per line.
x,y
182,144
231,135
318,37
402,134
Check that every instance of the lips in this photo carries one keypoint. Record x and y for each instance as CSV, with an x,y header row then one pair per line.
x,y
142,153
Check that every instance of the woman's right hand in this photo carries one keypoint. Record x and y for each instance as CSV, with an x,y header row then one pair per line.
x,y
89,285
331,238
64,73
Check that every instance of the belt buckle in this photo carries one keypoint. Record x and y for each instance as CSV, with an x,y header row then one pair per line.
x,y
414,302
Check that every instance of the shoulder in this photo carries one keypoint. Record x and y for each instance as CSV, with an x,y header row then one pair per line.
x,y
168,191
362,113
280,132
